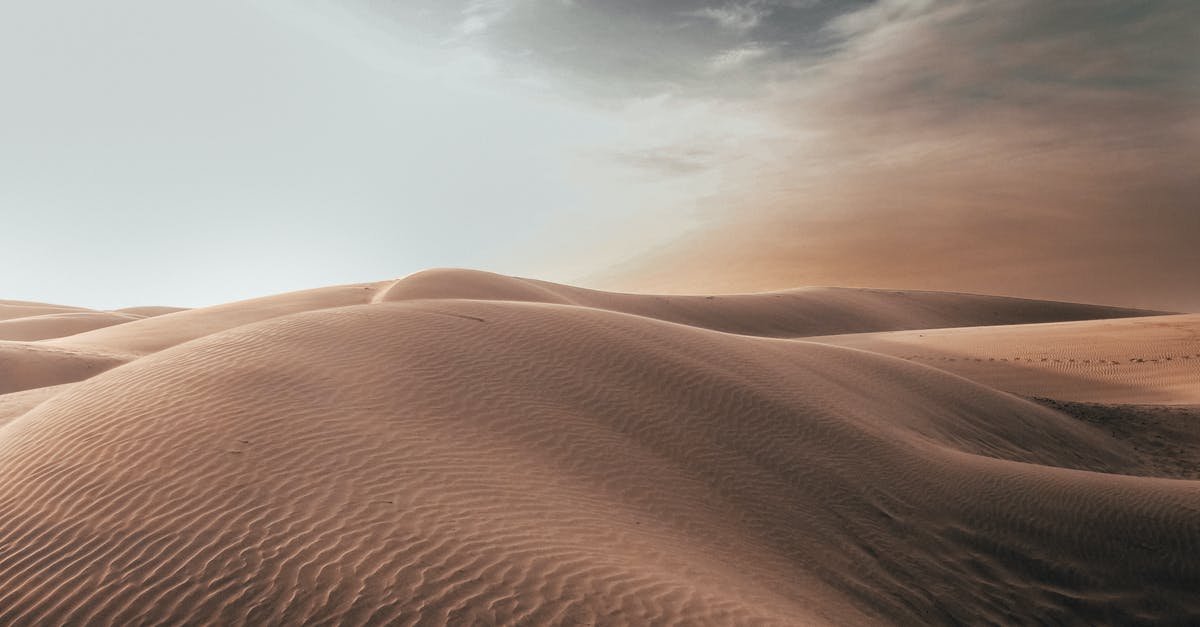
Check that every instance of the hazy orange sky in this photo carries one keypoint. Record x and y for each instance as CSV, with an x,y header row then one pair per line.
x,y
1036,149
189,154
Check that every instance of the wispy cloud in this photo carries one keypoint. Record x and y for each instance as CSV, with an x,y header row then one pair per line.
x,y
737,57
478,15
736,16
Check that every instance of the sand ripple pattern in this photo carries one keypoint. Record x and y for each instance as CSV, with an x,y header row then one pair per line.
x,y
453,461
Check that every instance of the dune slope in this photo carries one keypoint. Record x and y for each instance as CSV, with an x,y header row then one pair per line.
x,y
1134,360
48,326
28,361
457,461
1166,436
152,334
10,309
73,355
30,365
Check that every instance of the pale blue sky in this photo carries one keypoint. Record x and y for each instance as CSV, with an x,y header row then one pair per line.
x,y
191,153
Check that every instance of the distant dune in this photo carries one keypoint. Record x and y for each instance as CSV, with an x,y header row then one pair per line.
x,y
10,309
458,447
48,326
1135,360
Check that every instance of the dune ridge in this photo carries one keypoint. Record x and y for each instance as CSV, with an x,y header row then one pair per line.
x,y
798,312
792,313
427,451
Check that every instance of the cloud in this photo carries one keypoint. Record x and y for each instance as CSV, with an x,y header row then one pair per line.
x,y
734,58
881,15
620,49
736,16
479,15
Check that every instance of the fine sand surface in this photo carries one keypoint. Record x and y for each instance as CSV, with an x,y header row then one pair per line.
x,y
10,309
27,363
1132,360
464,448
48,326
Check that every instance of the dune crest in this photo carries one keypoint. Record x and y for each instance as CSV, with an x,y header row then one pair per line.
x,y
789,313
454,448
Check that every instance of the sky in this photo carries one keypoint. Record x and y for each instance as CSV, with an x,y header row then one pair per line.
x,y
185,153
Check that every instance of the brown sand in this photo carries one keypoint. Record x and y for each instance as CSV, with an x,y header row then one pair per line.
x,y
28,363
789,313
1133,360
10,309
457,448
1165,436
48,326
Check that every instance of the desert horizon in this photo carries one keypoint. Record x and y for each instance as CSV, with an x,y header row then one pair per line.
x,y
599,312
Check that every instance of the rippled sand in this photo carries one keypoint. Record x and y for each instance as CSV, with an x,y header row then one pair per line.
x,y
466,448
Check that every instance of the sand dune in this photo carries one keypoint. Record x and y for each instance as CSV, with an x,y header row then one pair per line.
x,y
13,405
789,313
1165,436
150,311
793,313
460,448
1135,360
28,365
48,326
10,309
24,321
153,334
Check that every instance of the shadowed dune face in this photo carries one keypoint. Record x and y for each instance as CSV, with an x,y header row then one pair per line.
x,y
32,365
1166,436
29,363
459,447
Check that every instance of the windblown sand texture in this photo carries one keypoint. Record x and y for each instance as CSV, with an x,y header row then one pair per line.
x,y
464,448
1133,360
